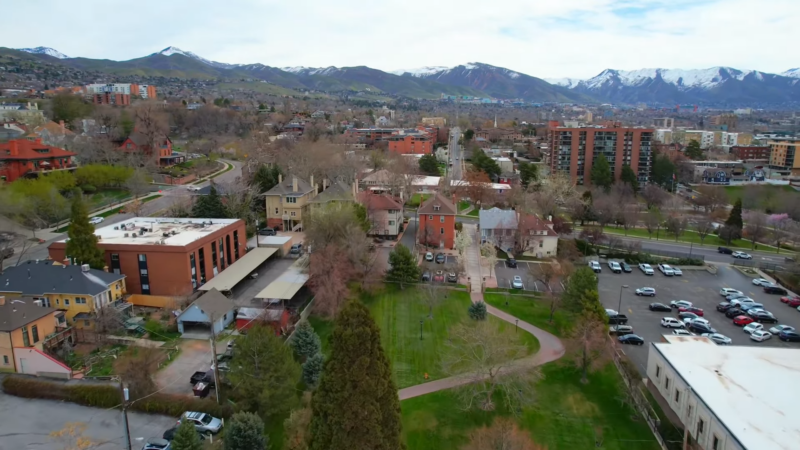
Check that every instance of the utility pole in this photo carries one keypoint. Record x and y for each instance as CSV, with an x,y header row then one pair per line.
x,y
125,399
214,353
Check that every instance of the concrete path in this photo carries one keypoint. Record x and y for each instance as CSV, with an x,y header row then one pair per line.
x,y
550,347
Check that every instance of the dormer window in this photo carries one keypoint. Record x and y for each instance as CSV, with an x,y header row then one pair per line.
x,y
436,207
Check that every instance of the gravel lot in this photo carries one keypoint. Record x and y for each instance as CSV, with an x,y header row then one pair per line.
x,y
699,287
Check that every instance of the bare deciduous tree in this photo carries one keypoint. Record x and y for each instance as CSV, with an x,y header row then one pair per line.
x,y
630,216
589,345
676,225
703,226
504,434
652,221
755,227
136,367
489,252
711,198
654,196
329,271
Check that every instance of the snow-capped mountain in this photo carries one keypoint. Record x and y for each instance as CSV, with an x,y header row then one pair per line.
x,y
421,71
792,73
169,51
44,51
565,82
713,85
306,71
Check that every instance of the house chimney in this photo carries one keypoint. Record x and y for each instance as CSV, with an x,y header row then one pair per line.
x,y
294,183
280,178
65,262
13,148
105,269
61,124
311,181
38,140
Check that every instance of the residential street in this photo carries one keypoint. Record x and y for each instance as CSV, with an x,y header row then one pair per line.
x,y
456,155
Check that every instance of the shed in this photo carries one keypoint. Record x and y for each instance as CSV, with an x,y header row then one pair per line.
x,y
277,318
282,243
211,308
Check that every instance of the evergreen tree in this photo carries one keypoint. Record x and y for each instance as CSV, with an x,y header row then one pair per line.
x,y
266,178
469,134
312,369
601,173
477,311
428,165
186,437
528,173
245,431
82,242
210,206
578,285
305,341
735,218
693,150
663,170
356,404
403,266
629,176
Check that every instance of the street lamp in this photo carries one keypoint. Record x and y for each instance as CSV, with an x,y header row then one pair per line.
x,y
624,286
420,329
516,326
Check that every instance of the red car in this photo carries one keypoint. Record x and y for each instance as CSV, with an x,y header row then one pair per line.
x,y
794,303
742,320
788,299
439,276
691,309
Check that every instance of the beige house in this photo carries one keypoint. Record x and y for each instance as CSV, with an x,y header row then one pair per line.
x,y
287,201
384,212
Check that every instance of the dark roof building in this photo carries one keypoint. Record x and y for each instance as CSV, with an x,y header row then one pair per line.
x,y
46,277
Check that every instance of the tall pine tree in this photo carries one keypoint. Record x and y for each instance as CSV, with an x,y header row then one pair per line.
x,y
356,404
629,176
735,218
403,266
186,437
82,243
210,206
305,341
601,173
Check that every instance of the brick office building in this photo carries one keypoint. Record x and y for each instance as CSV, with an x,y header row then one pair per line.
x,y
573,150
751,151
165,256
411,144
111,98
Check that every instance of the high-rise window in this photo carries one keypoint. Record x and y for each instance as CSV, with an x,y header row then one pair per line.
x,y
202,262
144,275
193,269
214,258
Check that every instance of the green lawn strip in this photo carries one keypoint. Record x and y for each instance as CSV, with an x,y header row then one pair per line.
x,y
228,169
567,415
532,310
688,236
518,292
417,199
474,213
735,192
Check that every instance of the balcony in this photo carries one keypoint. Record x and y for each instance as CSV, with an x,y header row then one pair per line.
x,y
62,334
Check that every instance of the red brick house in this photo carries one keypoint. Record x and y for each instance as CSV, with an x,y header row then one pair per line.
x,y
21,157
437,222
411,144
138,142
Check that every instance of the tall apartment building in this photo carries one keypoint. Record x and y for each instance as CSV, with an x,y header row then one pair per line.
x,y
731,121
143,90
109,98
664,122
574,150
784,155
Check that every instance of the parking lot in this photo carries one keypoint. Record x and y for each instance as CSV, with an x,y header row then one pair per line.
x,y
697,286
450,264
506,274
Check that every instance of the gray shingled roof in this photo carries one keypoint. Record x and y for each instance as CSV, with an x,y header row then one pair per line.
x,y
497,218
212,303
285,187
45,277
338,192
16,313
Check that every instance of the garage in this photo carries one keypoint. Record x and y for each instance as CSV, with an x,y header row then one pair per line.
x,y
212,312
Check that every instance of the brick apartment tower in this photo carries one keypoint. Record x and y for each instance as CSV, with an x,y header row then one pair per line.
x,y
573,150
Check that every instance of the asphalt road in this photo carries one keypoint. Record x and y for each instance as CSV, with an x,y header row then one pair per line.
x,y
456,155
697,286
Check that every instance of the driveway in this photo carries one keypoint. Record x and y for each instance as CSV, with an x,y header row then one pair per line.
x,y
195,356
244,293
26,424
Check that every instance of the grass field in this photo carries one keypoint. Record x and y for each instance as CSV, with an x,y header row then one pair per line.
x,y
398,314
417,199
761,197
688,236
108,196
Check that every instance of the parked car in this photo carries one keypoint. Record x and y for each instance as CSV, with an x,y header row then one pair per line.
x,y
516,283
779,328
666,269
620,330
728,291
682,332
747,306
724,306
735,296
741,301
696,319
631,339
615,267
617,319
193,188
671,322
511,262
267,232
680,304
676,271
700,327
741,255
170,434
452,277
646,291
439,276
440,258
644,267
203,422
625,267
760,335
429,257
760,281
202,376
96,220
742,321
752,326
687,317
764,316
611,312
789,336
795,302
296,249
719,339
426,276
724,250
659,307
692,309
733,312
595,266
788,299
156,444
775,289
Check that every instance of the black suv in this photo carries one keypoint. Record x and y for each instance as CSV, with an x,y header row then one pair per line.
x,y
724,306
733,312
700,327
764,316
773,289
267,232
725,250
512,263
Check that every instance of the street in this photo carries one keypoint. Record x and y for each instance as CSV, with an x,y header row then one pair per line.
x,y
456,155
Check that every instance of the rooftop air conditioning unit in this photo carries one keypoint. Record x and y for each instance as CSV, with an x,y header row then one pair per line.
x,y
174,232
127,234
37,302
141,231
122,227
85,267
116,227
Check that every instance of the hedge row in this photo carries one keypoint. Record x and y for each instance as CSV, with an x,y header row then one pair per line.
x,y
105,396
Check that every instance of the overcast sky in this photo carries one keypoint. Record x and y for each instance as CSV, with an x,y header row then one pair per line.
x,y
543,38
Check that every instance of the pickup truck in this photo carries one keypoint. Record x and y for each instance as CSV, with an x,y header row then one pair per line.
x,y
619,319
202,376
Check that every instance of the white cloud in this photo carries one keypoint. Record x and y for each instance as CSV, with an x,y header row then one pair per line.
x,y
544,38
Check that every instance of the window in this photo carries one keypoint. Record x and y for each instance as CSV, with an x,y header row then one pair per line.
x,y
441,230
291,199
146,287
701,425
35,333
436,207
715,445
430,217
277,212
541,244
293,214
57,302
658,372
143,272
26,340
391,223
677,396
86,323
80,301
441,219
5,359
666,385
142,258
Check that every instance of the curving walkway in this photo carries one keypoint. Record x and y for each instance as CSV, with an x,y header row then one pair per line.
x,y
550,347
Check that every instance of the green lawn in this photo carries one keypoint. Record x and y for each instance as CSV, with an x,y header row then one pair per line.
x,y
535,311
108,196
765,195
417,199
463,204
688,236
398,313
475,212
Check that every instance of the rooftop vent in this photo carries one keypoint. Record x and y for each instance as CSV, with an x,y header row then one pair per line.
x,y
85,267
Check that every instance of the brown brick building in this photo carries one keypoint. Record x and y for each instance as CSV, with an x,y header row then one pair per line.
x,y
750,152
573,150
111,98
165,256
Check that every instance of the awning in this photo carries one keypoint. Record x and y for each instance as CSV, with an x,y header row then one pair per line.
x,y
237,271
287,285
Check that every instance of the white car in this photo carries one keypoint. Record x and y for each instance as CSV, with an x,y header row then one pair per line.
x,y
689,321
646,291
742,301
96,219
644,267
193,187
611,312
760,335
517,282
778,328
429,256
671,322
615,267
751,327
682,332
760,281
719,339
741,255
680,304
677,272
595,266
666,270
728,291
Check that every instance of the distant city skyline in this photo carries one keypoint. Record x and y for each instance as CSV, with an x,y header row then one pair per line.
x,y
546,39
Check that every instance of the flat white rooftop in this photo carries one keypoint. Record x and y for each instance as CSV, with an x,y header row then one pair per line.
x,y
160,231
751,389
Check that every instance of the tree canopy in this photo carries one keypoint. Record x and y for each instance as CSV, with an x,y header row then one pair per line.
x,y
485,164
245,431
601,173
82,242
693,150
210,206
403,266
628,176
528,173
428,165
663,170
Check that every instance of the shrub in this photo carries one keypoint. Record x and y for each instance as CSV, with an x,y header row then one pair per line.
x,y
88,189
459,226
477,311
583,247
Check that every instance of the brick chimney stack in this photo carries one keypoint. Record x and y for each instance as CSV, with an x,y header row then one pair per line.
x,y
294,184
13,147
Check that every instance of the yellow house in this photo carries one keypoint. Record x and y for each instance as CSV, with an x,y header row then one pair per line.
x,y
77,290
287,200
28,331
